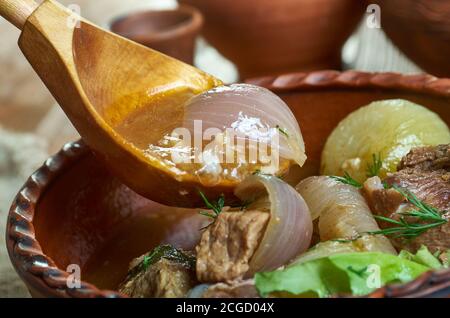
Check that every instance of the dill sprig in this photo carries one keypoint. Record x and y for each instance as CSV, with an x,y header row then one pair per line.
x,y
162,251
258,172
282,131
168,252
373,169
216,207
359,272
347,240
347,179
429,216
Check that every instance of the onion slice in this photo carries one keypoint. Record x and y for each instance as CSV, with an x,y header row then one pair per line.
x,y
342,211
290,228
248,110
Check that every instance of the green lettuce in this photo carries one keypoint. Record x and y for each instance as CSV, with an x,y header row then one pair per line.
x,y
354,273
423,256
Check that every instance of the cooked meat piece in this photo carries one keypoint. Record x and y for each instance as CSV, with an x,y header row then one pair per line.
x,y
163,273
427,158
238,289
382,201
227,245
425,173
432,187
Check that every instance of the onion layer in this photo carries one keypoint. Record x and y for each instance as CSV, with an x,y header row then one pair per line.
x,y
343,212
290,228
248,109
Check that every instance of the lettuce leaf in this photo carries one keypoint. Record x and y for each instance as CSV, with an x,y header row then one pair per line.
x,y
355,273
446,259
423,256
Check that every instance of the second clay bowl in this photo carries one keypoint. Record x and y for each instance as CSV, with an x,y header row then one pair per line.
x,y
172,32
271,37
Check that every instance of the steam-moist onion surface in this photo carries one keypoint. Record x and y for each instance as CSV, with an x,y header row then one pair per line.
x,y
342,211
387,128
289,231
231,123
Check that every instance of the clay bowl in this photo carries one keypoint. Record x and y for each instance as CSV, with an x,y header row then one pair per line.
x,y
421,29
302,35
172,32
73,211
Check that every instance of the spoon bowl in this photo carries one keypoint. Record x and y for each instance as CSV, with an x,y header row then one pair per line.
x,y
119,95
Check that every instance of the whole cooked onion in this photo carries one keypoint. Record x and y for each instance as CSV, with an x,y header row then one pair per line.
x,y
388,129
342,211
289,230
258,128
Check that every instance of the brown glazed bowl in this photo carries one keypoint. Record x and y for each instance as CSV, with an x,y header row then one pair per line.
x,y
421,29
73,211
172,32
265,37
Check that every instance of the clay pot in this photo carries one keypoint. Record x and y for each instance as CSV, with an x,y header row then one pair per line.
x,y
271,37
172,32
73,211
421,29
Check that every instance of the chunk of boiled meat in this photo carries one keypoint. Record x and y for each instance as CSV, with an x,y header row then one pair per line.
x,y
163,273
227,245
425,172
427,158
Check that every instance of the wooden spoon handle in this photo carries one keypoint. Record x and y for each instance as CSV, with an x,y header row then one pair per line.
x,y
17,11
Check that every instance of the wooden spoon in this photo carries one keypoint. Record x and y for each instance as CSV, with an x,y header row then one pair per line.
x,y
102,81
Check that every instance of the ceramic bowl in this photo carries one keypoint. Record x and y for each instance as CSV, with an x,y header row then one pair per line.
x,y
172,32
265,37
421,29
73,211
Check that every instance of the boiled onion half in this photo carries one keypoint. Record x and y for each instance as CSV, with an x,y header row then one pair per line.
x,y
249,110
290,228
229,132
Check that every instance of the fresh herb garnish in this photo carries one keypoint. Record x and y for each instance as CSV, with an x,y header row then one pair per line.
x,y
347,179
429,216
373,169
360,272
170,253
348,240
162,251
258,172
386,185
282,131
216,207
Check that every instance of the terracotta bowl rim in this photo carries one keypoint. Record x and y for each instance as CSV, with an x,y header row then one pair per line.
x,y
192,24
40,272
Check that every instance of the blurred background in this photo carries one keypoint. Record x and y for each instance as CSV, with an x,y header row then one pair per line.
x,y
231,39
